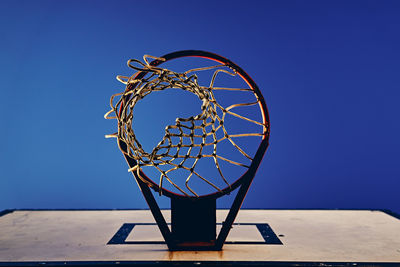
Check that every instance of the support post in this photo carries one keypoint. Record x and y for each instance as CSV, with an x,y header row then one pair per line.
x,y
193,223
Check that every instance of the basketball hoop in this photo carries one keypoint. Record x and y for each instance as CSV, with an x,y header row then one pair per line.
x,y
190,141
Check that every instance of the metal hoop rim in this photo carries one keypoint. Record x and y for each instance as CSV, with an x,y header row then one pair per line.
x,y
249,174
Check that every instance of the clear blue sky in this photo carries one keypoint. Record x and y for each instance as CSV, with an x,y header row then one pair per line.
x,y
329,71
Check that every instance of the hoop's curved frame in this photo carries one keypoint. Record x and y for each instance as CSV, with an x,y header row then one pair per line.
x,y
248,176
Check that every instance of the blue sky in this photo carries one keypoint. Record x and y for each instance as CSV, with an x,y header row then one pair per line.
x,y
329,71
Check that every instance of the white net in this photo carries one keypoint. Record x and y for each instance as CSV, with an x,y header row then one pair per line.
x,y
189,140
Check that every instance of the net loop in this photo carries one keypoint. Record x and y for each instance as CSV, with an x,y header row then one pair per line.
x,y
183,145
